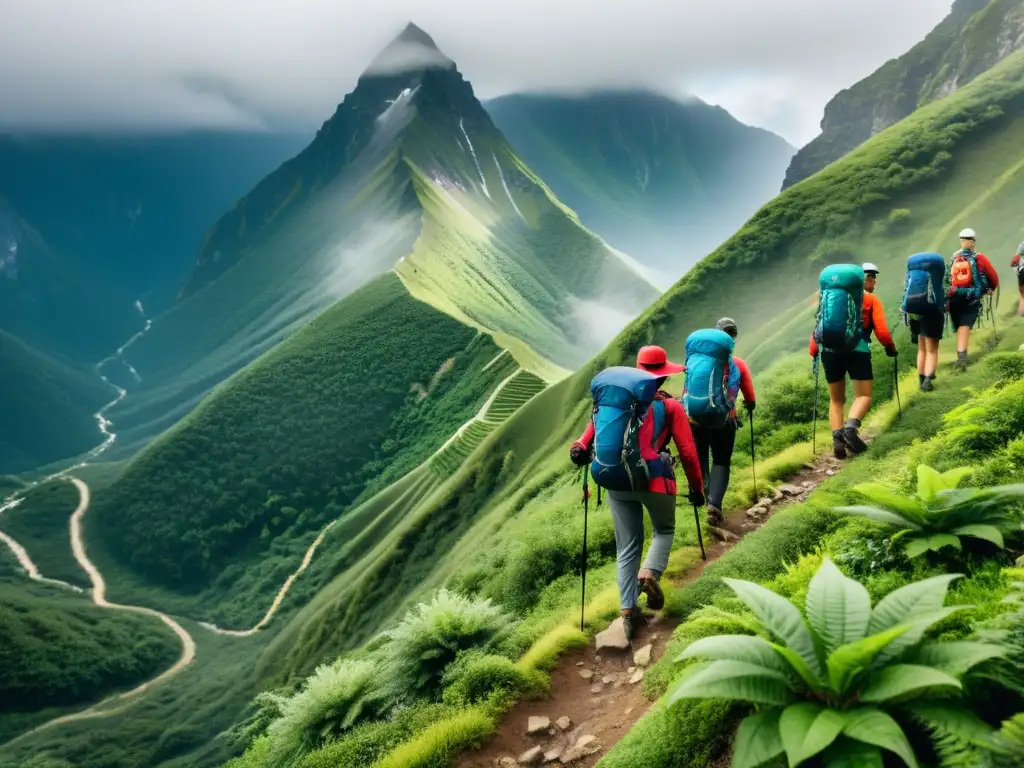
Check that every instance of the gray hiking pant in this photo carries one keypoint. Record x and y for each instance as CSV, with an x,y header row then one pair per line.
x,y
628,516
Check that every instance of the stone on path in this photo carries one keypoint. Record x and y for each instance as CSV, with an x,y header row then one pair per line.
x,y
596,688
724,536
506,762
643,657
586,674
532,756
789,490
607,679
537,724
637,677
586,745
564,723
613,637
552,754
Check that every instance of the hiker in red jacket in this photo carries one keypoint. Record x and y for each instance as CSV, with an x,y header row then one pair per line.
x,y
715,444
660,497
971,278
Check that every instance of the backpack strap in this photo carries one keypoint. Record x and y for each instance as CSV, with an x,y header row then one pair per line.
x,y
659,433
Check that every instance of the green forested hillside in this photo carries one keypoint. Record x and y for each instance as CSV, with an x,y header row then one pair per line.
x,y
665,181
976,35
48,407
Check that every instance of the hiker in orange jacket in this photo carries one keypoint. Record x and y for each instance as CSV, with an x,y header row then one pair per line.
x,y
846,437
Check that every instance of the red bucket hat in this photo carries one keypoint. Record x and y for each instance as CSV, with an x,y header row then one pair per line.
x,y
655,360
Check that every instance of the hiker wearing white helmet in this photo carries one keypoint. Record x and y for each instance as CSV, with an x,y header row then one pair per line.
x,y
870,276
971,278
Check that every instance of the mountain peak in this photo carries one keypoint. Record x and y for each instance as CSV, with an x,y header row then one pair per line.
x,y
413,49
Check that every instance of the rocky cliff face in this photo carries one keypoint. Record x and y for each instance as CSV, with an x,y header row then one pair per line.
x,y
975,36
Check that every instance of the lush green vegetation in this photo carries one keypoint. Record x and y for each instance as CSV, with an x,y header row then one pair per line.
x,y
48,407
58,651
662,180
40,525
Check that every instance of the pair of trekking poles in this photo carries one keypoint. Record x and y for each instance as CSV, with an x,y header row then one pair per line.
x,y
814,419
696,518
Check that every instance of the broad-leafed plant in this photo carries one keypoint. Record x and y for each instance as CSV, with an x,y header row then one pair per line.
x,y
940,514
832,685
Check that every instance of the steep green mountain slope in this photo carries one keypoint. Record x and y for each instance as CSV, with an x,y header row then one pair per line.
x,y
131,209
975,35
48,407
410,173
957,162
665,181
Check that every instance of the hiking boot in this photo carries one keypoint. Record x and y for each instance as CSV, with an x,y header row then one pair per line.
x,y
926,384
651,588
715,516
838,444
961,361
631,620
853,441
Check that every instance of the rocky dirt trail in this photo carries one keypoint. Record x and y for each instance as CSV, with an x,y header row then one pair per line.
x,y
597,692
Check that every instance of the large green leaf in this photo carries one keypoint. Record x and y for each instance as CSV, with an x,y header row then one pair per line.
x,y
797,664
919,545
808,728
780,617
986,532
872,726
956,658
847,753
849,661
915,599
899,681
881,515
753,650
907,508
929,483
951,477
736,680
757,740
919,625
838,608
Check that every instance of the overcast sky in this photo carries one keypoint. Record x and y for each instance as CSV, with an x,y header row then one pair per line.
x,y
174,63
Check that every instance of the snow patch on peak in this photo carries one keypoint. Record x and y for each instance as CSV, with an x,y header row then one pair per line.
x,y
472,153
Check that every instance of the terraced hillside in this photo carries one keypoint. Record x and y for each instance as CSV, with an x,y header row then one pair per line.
x,y
666,181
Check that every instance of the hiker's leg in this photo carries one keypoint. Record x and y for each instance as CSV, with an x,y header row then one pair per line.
x,y
931,360
662,509
702,440
628,518
723,440
963,338
836,404
861,398
922,356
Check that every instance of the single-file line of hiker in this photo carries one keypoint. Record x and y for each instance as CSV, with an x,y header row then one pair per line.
x,y
626,446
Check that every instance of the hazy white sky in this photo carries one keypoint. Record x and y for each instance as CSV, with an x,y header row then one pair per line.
x,y
174,63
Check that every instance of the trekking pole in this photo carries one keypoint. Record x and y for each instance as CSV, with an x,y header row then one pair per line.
x,y
896,385
814,423
586,498
753,466
700,536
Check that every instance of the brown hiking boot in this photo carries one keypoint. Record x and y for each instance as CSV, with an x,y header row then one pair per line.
x,y
650,587
715,516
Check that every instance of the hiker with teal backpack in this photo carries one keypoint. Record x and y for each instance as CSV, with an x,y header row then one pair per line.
x,y
924,311
626,445
848,313
971,278
714,376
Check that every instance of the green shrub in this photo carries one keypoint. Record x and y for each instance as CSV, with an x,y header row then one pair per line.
x,y
830,684
899,217
476,677
941,515
430,637
333,699
439,743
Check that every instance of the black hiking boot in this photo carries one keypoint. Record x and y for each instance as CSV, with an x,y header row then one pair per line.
x,y
926,384
852,440
651,588
715,516
838,444
632,620
961,361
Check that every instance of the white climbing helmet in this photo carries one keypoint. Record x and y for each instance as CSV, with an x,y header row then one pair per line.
x,y
968,234
869,268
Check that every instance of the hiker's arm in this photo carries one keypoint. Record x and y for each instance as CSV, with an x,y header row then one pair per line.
x,y
880,326
587,437
746,382
682,436
989,270
812,348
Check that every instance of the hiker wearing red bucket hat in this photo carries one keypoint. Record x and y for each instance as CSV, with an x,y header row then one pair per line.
x,y
601,445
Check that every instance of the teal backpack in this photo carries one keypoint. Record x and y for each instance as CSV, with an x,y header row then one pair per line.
x,y
711,377
838,324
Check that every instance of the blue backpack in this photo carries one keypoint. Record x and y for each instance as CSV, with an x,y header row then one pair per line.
x,y
838,326
923,293
622,396
706,396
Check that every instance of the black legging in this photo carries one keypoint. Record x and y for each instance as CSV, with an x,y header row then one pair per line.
x,y
718,442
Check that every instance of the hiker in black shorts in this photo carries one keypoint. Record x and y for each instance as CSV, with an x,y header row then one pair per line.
x,y
924,311
971,278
